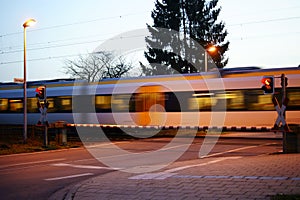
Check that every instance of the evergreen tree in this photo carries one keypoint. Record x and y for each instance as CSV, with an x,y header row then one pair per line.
x,y
181,31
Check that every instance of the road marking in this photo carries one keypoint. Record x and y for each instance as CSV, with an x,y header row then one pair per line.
x,y
68,177
41,152
30,163
171,172
229,151
82,166
157,176
234,150
200,165
95,145
136,153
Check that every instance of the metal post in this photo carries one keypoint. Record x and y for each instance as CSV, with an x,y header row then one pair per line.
x,y
205,60
46,136
25,92
26,24
64,136
283,91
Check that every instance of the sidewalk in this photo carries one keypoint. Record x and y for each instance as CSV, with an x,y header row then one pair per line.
x,y
252,177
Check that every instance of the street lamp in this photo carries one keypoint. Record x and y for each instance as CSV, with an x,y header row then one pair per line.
x,y
27,23
210,49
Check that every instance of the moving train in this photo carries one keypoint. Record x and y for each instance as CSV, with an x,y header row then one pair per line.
x,y
226,98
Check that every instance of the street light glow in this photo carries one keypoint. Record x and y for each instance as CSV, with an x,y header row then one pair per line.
x,y
29,22
212,49
208,50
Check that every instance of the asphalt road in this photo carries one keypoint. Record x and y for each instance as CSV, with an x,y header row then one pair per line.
x,y
44,174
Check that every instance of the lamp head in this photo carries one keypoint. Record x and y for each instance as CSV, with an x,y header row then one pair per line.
x,y
212,49
29,22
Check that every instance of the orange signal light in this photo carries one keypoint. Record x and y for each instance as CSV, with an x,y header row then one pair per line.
x,y
268,84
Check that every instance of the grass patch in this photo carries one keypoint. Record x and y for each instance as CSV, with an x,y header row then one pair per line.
x,y
32,145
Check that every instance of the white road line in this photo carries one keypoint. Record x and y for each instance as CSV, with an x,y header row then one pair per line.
x,y
229,151
234,150
41,152
31,163
68,177
171,172
82,166
174,147
136,153
88,145
199,165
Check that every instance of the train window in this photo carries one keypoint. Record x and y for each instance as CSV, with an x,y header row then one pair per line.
x,y
294,97
235,100
172,102
103,103
251,98
64,104
256,100
144,101
51,104
65,101
3,105
32,105
122,102
202,101
265,102
193,104
15,105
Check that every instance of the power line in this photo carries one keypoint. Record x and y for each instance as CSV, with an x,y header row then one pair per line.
x,y
72,55
265,21
76,23
39,59
261,11
93,41
89,21
250,37
55,41
53,46
70,44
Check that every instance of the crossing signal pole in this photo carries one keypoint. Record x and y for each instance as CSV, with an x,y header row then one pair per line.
x,y
291,138
269,88
43,106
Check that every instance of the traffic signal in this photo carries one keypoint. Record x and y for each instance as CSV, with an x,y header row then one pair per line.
x,y
284,81
41,93
268,84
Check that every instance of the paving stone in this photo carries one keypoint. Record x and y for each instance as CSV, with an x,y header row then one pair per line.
x,y
249,177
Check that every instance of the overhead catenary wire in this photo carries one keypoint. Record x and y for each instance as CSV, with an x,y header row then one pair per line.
x,y
47,46
75,23
75,43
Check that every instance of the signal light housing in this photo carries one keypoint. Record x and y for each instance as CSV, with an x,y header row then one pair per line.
x,y
41,93
284,81
268,84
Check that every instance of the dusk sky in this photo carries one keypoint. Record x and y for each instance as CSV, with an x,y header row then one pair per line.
x,y
261,33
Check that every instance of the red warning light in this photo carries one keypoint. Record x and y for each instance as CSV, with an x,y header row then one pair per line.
x,y
268,84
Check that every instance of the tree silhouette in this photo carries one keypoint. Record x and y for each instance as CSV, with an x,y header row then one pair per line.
x,y
97,66
181,32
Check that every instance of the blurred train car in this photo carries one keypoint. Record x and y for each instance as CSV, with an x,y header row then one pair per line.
x,y
231,98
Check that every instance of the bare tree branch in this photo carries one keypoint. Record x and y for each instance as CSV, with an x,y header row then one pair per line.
x,y
97,66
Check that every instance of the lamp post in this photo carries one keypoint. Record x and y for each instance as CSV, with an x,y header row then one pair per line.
x,y
210,49
27,23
